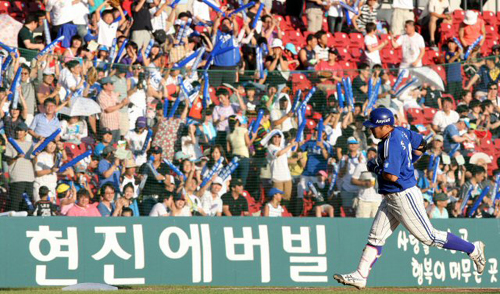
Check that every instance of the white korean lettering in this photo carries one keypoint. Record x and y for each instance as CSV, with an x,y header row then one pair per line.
x,y
320,266
248,242
417,270
402,240
466,267
493,270
440,271
428,270
56,242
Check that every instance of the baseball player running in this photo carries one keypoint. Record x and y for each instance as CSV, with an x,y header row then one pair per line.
x,y
403,202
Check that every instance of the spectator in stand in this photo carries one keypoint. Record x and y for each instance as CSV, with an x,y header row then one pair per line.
x,y
83,207
329,72
234,203
153,187
307,55
367,14
318,155
59,13
25,38
314,13
74,50
46,168
268,29
348,189
435,13
109,102
20,170
453,68
28,89
282,115
402,12
290,55
107,205
492,119
162,208
224,34
109,169
273,207
119,80
108,25
360,84
372,46
368,200
453,135
438,209
44,124
222,112
476,183
276,64
45,207
140,32
74,130
238,142
136,140
46,89
335,16
277,156
412,43
211,199
179,207
471,29
321,48
445,117
488,74
14,116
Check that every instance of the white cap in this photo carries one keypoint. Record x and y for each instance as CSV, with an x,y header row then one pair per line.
x,y
219,181
470,17
277,43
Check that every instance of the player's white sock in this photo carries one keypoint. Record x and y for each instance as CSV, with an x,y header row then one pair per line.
x,y
368,258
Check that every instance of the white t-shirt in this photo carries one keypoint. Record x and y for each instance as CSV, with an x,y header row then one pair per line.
x,y
61,11
279,165
192,150
159,210
436,6
411,49
442,120
137,142
81,12
321,53
366,194
286,125
201,10
210,205
374,56
275,212
128,180
45,161
159,22
106,33
352,163
335,10
403,4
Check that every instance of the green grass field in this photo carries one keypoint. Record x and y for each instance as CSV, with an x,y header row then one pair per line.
x,y
250,290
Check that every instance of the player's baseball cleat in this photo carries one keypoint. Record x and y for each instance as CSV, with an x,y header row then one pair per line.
x,y
352,279
478,256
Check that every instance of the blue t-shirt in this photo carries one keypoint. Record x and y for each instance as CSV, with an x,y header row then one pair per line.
x,y
231,57
453,70
315,159
395,158
484,79
104,165
104,210
449,132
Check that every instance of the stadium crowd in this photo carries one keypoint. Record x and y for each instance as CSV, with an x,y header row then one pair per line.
x,y
212,113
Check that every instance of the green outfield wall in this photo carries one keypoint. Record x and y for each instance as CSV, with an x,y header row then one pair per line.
x,y
300,252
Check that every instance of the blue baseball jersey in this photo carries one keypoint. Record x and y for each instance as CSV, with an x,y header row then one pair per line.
x,y
395,158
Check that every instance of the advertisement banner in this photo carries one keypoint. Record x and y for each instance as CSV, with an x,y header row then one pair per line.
x,y
291,252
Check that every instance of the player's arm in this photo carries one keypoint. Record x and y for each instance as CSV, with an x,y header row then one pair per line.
x,y
389,177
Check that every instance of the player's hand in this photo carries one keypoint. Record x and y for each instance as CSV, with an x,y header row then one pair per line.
x,y
374,167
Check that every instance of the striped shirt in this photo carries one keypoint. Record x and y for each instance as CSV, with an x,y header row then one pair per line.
x,y
109,120
365,16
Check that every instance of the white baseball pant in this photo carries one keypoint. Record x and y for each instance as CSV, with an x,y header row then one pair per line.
x,y
406,207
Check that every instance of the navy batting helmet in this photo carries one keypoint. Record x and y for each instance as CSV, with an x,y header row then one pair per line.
x,y
380,117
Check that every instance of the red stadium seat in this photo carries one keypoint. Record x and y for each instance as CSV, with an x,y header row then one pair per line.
x,y
356,40
389,56
441,72
4,7
496,143
356,54
486,145
415,116
213,97
490,18
295,37
430,56
345,55
341,39
491,32
19,7
458,16
429,114
350,68
34,7
331,40
300,82
447,32
387,37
